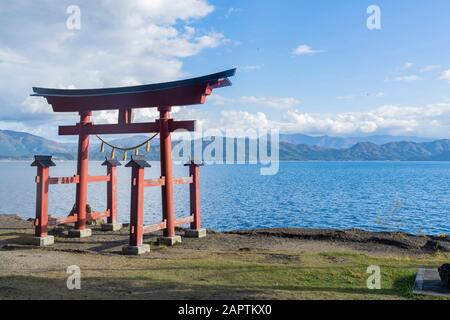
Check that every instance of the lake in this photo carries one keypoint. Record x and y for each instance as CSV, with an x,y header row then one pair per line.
x,y
411,197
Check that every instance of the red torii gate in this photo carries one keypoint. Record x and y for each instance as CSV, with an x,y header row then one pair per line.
x,y
162,96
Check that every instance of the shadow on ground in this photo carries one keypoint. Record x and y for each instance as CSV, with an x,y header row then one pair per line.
x,y
140,287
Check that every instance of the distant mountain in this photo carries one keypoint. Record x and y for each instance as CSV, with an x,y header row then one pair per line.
x,y
344,143
20,145
367,151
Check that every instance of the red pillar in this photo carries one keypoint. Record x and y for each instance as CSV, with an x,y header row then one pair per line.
x,y
42,186
42,202
83,173
137,207
166,171
196,230
112,194
138,164
194,191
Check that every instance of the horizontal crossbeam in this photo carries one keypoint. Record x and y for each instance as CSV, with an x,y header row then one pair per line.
x,y
63,220
186,180
63,180
186,220
162,181
74,218
75,179
93,179
155,182
132,128
163,225
155,227
98,215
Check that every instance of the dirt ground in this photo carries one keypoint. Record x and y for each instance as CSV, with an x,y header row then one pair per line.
x,y
216,262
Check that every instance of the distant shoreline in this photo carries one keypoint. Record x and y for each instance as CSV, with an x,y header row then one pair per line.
x,y
394,239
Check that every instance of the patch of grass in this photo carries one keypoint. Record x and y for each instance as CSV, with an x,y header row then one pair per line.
x,y
330,275
314,276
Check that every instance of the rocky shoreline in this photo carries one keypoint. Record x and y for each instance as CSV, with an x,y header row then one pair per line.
x,y
359,239
249,264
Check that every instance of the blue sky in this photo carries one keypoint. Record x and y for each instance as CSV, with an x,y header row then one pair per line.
x,y
344,79
355,60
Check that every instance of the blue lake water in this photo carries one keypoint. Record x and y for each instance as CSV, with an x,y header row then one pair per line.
x,y
375,196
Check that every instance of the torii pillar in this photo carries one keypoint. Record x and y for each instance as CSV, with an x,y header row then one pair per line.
x,y
169,237
41,237
80,230
111,196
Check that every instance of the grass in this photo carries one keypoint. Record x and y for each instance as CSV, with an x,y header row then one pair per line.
x,y
242,275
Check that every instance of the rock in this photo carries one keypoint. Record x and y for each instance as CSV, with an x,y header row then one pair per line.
x,y
444,273
435,246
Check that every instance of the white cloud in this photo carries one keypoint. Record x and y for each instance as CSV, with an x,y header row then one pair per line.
x,y
267,102
445,75
170,43
430,68
231,11
140,12
120,43
346,97
430,121
36,105
271,102
10,57
408,65
305,50
238,120
249,68
409,78
105,117
379,94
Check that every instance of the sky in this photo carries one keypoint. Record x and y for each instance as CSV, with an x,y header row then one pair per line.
x,y
304,66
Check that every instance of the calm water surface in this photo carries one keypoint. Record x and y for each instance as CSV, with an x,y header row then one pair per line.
x,y
410,197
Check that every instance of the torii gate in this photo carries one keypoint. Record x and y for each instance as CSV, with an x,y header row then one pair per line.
x,y
162,96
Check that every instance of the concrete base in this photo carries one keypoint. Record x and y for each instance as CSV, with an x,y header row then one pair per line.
x,y
111,226
428,282
136,250
74,233
200,233
43,241
169,241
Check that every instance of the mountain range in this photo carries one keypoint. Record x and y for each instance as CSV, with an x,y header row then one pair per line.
x,y
344,142
367,151
295,147
21,145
